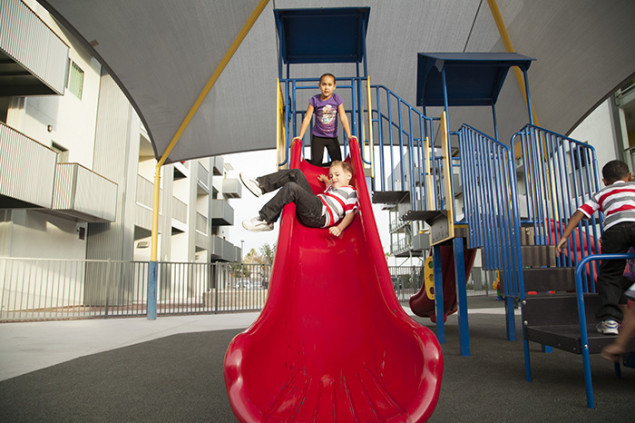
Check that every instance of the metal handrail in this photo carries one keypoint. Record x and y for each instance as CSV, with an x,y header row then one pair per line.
x,y
418,147
584,336
491,205
292,114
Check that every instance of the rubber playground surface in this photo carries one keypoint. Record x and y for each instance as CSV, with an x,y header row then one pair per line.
x,y
179,377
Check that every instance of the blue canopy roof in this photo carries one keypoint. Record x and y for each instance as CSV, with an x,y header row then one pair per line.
x,y
328,35
473,79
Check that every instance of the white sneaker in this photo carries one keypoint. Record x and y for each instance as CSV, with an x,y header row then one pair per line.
x,y
251,184
607,327
256,224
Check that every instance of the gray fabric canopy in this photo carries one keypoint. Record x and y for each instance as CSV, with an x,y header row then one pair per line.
x,y
163,52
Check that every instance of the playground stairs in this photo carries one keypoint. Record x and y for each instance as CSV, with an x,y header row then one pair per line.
x,y
550,306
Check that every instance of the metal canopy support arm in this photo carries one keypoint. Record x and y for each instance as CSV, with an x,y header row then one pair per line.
x,y
152,268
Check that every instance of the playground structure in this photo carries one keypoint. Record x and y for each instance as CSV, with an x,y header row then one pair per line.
x,y
517,198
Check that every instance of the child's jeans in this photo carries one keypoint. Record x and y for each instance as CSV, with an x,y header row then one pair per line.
x,y
611,282
294,188
317,149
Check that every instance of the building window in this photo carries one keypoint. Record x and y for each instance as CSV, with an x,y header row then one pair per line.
x,y
75,80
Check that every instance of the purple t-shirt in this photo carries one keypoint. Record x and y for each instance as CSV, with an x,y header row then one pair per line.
x,y
325,115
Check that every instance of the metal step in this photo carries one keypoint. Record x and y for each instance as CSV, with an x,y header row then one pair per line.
x,y
546,279
391,197
538,255
553,320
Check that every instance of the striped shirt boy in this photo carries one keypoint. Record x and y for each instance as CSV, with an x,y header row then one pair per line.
x,y
338,202
616,201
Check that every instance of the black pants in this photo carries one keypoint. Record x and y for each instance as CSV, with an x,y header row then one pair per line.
x,y
318,144
294,188
611,282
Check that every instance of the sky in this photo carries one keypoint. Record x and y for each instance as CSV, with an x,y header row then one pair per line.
x,y
259,163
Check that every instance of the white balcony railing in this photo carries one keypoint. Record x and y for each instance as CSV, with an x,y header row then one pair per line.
x,y
84,194
27,171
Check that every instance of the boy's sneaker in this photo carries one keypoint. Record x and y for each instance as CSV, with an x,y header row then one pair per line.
x,y
607,327
256,224
251,184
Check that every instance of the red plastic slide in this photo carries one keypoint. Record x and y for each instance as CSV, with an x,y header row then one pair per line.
x,y
423,306
332,342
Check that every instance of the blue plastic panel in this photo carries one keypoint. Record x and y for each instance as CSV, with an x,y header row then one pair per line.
x,y
334,35
473,79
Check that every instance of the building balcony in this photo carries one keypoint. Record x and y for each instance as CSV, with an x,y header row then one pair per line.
x,y
202,180
84,194
27,171
222,250
222,213
218,164
231,188
201,241
33,59
421,242
143,211
179,211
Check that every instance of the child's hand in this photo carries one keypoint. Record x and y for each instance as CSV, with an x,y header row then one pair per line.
x,y
561,243
323,178
335,231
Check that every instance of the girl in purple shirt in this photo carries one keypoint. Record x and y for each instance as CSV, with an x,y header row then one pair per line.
x,y
327,106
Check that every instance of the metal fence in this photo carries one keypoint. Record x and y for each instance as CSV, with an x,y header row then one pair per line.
x,y
408,280
50,289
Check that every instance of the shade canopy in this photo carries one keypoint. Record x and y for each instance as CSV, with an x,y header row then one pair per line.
x,y
472,79
163,52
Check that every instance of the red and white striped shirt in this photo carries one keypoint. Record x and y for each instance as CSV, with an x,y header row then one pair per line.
x,y
338,202
616,201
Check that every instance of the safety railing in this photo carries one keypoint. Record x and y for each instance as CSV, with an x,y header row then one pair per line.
x,y
292,113
52,289
560,174
491,207
397,139
406,150
581,288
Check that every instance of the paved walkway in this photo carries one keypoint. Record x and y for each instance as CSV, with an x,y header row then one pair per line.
x,y
26,347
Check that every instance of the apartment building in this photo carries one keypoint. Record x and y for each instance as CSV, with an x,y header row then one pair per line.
x,y
76,162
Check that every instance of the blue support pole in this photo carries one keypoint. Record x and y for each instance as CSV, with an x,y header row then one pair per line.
x,y
153,267
495,123
529,107
438,293
461,294
510,320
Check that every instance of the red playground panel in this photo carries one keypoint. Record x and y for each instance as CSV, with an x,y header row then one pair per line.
x,y
332,342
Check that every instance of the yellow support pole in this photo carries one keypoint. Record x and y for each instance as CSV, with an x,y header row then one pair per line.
x,y
280,144
201,97
502,30
507,42
153,265
428,168
370,130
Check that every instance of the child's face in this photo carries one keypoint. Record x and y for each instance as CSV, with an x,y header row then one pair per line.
x,y
339,177
327,86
